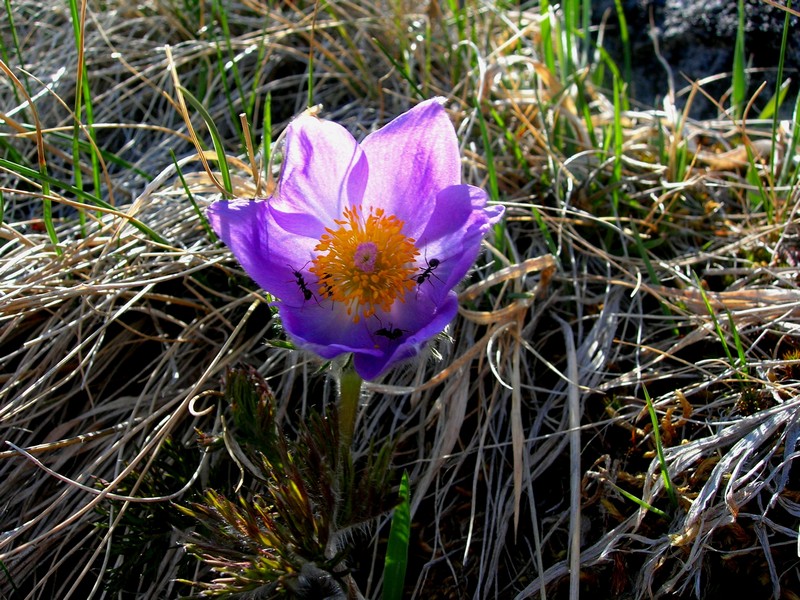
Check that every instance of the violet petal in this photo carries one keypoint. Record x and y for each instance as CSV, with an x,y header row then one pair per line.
x,y
326,330
453,235
410,160
266,252
370,366
324,170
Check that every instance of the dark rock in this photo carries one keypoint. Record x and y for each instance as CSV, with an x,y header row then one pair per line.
x,y
697,39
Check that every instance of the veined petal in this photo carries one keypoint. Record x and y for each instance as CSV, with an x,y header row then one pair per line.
x,y
453,236
417,327
267,253
324,170
326,330
410,160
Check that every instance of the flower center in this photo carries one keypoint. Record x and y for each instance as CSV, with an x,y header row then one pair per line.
x,y
367,263
365,256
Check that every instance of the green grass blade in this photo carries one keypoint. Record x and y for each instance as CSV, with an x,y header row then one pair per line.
x,y
41,174
673,496
225,60
547,36
394,571
338,13
739,76
737,342
10,579
783,87
83,145
211,235
400,69
571,14
758,196
652,274
625,39
586,112
428,62
106,155
770,110
267,137
606,61
47,206
46,181
83,105
789,171
638,501
47,217
17,48
459,10
311,40
618,140
586,28
523,164
254,95
215,138
494,189
717,326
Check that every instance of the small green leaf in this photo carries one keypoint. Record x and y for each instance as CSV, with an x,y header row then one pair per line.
x,y
774,103
394,571
639,501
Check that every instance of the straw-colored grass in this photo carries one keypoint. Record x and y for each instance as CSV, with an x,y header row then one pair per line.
x,y
524,426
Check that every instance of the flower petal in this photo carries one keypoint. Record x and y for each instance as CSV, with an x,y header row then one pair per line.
x,y
411,159
328,331
453,236
418,326
269,254
324,171
325,329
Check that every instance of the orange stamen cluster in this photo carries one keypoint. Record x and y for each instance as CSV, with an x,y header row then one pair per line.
x,y
367,263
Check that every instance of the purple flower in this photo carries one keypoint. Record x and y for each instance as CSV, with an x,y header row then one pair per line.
x,y
363,243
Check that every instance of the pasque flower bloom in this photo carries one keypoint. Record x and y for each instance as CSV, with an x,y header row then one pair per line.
x,y
362,244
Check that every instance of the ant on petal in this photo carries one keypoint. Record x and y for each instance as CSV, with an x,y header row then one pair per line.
x,y
390,333
427,273
301,283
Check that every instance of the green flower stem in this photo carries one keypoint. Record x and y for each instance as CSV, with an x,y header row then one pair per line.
x,y
349,394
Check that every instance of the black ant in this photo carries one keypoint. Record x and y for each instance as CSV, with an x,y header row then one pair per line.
x,y
301,283
390,332
328,287
428,271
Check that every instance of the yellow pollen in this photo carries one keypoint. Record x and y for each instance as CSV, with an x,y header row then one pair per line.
x,y
367,263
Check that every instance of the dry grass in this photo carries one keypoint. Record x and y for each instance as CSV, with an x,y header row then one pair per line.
x,y
520,427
